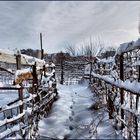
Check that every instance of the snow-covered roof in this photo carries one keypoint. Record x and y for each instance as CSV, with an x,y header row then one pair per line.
x,y
125,47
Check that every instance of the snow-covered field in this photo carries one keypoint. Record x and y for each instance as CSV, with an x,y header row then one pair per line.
x,y
71,116
7,96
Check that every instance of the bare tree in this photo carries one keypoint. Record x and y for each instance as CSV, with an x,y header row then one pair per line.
x,y
80,51
71,49
91,49
87,51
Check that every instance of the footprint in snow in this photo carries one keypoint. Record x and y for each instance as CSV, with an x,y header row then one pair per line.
x,y
70,118
71,107
73,101
72,113
71,127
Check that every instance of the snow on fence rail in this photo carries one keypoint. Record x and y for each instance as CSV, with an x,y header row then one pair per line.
x,y
34,90
117,83
11,57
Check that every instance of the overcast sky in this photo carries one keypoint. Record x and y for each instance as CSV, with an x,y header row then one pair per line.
x,y
66,22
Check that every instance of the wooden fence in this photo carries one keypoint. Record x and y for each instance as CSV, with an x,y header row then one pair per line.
x,y
117,83
33,100
70,72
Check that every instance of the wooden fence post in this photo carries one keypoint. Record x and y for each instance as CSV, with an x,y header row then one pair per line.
x,y
121,90
20,91
110,105
53,68
62,69
44,70
62,73
42,51
35,80
90,73
137,101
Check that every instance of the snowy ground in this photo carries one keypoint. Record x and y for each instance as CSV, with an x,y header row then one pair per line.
x,y
71,117
7,96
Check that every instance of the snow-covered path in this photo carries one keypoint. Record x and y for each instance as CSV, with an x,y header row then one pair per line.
x,y
71,117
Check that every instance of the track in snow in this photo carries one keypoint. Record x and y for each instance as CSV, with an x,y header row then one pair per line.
x,y
71,118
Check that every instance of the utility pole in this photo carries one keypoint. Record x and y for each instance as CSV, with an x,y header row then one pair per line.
x,y
41,46
62,57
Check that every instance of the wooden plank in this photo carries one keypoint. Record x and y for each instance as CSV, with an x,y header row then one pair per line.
x,y
11,88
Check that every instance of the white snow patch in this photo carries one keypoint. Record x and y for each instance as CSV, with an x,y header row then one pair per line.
x,y
125,47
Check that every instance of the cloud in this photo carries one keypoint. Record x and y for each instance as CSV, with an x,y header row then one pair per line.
x,y
66,21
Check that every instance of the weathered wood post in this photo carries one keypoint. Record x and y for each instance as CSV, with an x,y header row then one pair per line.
x,y
44,70
121,90
35,80
42,51
137,101
137,97
110,104
62,68
20,91
62,72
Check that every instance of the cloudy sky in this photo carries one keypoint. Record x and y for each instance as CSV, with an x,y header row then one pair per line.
x,y
71,22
